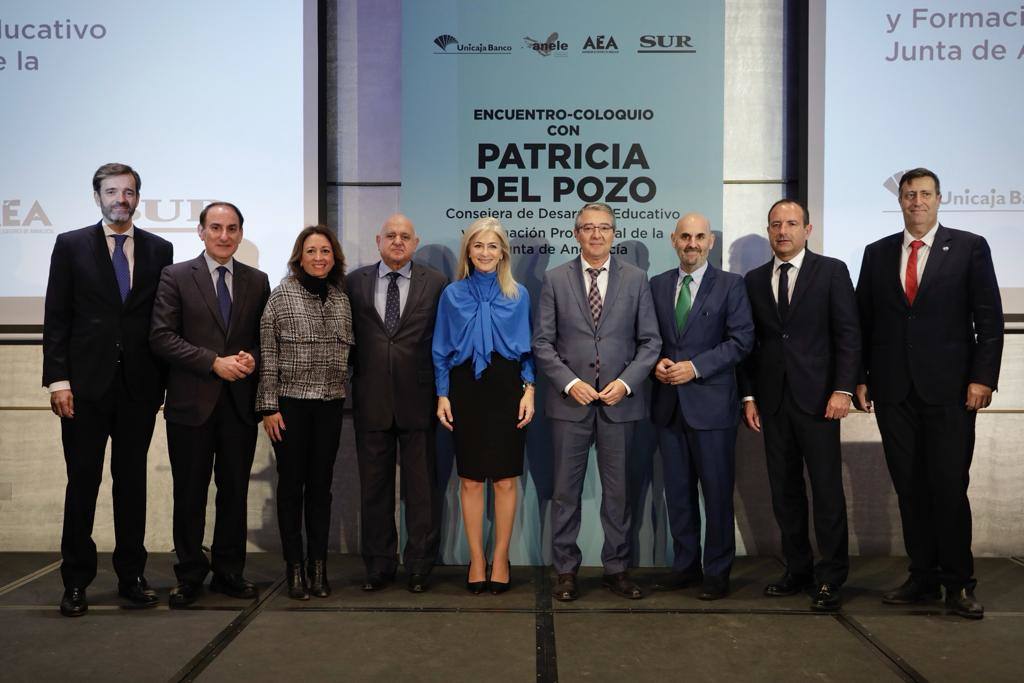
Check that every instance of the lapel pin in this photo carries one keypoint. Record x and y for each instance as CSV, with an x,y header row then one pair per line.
x,y
945,248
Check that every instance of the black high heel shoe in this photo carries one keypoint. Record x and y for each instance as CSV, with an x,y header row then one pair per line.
x,y
474,587
497,587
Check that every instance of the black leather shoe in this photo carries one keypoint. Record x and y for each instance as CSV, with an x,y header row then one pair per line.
x,y
233,586
73,602
910,592
565,588
497,587
714,588
674,581
621,584
475,587
375,581
417,583
789,584
316,570
185,593
138,592
826,599
297,588
963,604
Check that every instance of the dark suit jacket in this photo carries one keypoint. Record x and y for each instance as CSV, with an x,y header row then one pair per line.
x,y
719,333
188,334
566,342
952,335
86,327
393,376
817,350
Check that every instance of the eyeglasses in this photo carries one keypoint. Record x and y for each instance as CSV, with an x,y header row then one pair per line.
x,y
588,228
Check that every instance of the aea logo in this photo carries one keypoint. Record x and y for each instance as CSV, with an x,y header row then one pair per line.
x,y
600,45
551,46
444,40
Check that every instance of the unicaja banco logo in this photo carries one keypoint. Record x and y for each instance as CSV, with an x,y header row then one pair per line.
x,y
545,48
892,183
444,40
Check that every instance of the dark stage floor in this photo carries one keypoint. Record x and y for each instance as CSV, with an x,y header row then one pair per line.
x,y
447,634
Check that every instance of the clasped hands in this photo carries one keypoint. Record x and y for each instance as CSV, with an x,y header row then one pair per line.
x,y
674,372
232,368
585,394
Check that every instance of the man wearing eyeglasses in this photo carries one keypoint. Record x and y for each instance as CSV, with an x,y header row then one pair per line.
x,y
595,340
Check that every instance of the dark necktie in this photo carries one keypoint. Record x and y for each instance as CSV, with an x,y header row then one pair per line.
x,y
784,290
391,310
594,295
223,296
121,270
911,278
683,302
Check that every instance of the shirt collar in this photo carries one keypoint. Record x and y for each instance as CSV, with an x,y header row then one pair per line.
x,y
585,265
383,269
212,264
697,275
796,261
109,231
927,238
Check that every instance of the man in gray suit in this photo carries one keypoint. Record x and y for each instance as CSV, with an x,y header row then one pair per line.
x,y
206,326
394,303
596,340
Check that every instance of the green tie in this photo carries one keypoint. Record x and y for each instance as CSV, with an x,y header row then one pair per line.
x,y
683,302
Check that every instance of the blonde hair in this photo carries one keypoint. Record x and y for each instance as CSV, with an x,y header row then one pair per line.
x,y
506,282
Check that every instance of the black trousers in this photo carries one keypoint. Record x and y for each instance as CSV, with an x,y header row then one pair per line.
x,y
929,449
378,453
223,446
793,439
129,426
305,472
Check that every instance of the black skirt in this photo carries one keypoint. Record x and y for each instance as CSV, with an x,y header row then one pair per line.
x,y
486,411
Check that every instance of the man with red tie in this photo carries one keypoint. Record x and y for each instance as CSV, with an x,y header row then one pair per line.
x,y
932,323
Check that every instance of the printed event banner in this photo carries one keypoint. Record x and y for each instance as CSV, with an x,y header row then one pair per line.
x,y
526,110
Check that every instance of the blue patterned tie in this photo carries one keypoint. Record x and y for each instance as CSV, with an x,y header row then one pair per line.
x,y
223,296
121,270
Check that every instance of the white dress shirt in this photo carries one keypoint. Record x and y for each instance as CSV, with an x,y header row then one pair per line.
x,y
229,277
797,262
922,253
698,276
380,290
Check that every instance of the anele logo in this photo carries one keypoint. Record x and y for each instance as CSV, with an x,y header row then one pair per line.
x,y
444,40
546,48
666,44
597,44
15,214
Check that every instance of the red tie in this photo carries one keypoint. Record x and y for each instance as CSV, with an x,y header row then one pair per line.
x,y
912,271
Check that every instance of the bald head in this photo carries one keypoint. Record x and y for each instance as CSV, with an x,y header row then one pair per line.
x,y
693,241
397,241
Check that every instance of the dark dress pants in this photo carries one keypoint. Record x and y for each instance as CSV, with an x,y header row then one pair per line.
x,y
929,449
128,423
707,456
792,439
224,447
305,473
378,453
572,441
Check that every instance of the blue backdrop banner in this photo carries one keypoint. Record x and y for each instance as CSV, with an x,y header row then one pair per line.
x,y
527,110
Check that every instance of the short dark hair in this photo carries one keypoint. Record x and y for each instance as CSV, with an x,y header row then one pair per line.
x,y
914,174
337,274
114,169
797,202
594,206
202,214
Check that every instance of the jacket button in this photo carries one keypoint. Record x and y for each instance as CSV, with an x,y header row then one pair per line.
x,y
785,336
597,338
592,365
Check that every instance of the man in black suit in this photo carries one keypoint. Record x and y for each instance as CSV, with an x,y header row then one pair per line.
x,y
798,385
104,383
933,342
206,325
394,303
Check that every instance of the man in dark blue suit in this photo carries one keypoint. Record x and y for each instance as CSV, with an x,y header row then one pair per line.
x,y
797,385
104,382
706,330
933,342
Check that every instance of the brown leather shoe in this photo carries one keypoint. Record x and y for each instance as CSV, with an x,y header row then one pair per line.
x,y
565,588
621,584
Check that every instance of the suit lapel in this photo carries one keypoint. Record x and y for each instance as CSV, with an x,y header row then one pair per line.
x,y
239,292
612,293
706,287
104,265
938,255
808,271
665,300
413,298
201,276
575,276
143,263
